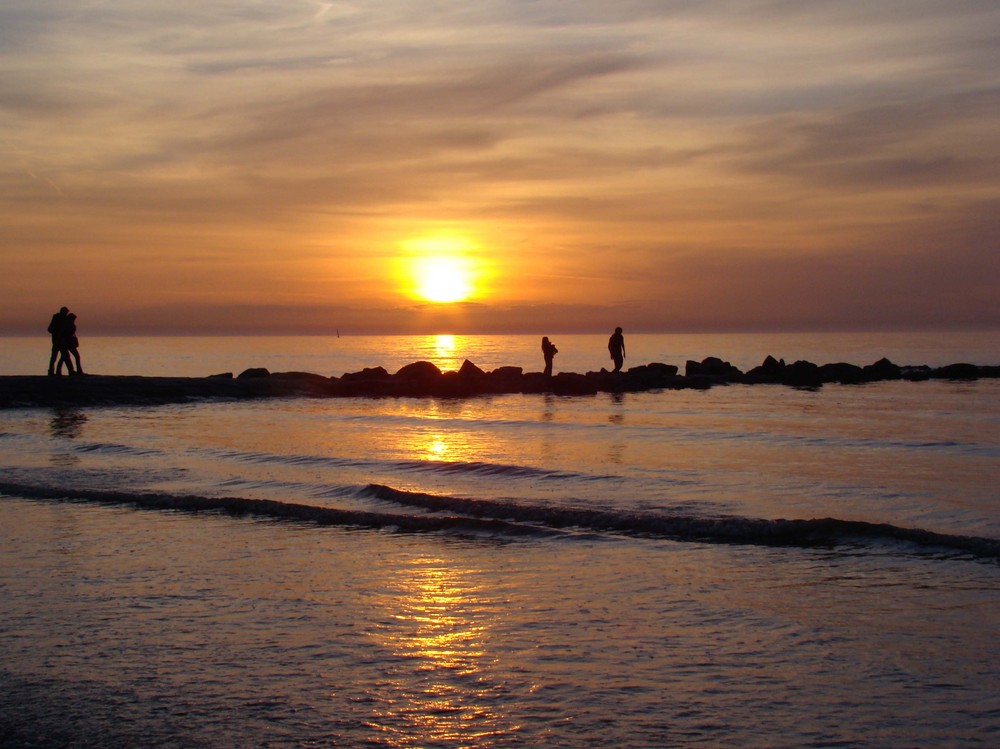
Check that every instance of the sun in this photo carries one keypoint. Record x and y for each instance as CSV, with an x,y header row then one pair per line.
x,y
440,269
442,279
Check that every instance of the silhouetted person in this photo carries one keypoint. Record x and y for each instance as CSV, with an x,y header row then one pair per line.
x,y
616,347
72,346
57,329
549,351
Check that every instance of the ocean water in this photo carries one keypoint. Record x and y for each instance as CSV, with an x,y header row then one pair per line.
x,y
744,566
329,356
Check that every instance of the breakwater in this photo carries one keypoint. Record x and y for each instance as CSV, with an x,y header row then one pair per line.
x,y
424,379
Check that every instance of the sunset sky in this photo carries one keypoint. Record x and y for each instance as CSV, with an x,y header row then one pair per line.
x,y
553,165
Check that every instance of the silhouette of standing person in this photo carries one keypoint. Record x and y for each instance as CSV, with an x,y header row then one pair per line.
x,y
72,346
549,351
616,347
56,329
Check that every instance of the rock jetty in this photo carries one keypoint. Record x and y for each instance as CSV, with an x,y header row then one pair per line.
x,y
424,379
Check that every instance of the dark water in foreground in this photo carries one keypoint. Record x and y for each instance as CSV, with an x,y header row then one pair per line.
x,y
509,571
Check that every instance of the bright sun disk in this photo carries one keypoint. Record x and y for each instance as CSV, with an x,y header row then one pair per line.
x,y
443,280
441,269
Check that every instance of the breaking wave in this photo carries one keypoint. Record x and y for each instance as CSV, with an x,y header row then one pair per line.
x,y
509,518
272,509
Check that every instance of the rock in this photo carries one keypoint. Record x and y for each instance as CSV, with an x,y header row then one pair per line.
x,y
470,370
649,376
507,372
253,373
301,383
845,374
916,373
961,371
367,374
883,369
221,376
571,383
656,369
772,366
452,385
421,371
769,371
305,377
801,374
529,382
711,367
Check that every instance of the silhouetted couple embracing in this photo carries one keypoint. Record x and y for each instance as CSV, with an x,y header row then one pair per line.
x,y
65,344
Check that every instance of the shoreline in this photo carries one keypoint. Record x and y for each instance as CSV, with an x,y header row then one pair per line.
x,y
424,379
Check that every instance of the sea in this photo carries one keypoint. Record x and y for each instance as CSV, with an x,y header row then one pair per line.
x,y
743,566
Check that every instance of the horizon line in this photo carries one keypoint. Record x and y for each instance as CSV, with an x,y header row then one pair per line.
x,y
857,329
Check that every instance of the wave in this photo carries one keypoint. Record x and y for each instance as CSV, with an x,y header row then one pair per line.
x,y
492,469
110,448
274,510
478,468
509,518
693,527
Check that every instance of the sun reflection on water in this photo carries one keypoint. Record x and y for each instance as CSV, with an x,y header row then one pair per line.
x,y
438,690
431,440
446,351
444,346
437,448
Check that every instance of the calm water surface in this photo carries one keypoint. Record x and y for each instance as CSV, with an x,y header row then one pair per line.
x,y
575,621
198,357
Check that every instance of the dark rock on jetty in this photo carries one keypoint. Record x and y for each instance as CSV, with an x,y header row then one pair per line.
x,y
424,379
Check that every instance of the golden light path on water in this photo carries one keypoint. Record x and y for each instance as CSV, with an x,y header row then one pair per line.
x,y
444,346
436,623
447,432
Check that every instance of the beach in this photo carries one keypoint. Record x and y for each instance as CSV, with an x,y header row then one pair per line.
x,y
506,570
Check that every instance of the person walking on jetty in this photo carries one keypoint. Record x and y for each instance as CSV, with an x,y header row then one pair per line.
x,y
616,347
57,329
549,351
